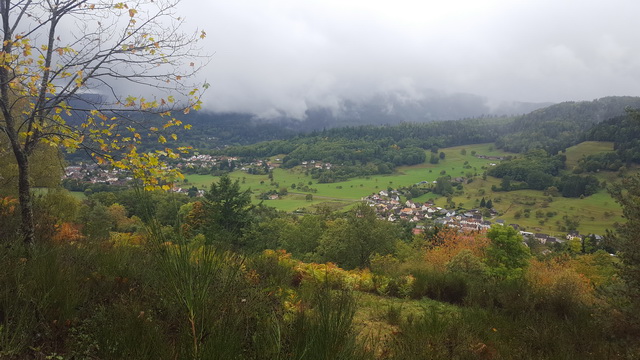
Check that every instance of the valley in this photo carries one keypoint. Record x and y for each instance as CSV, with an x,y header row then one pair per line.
x,y
594,213
319,180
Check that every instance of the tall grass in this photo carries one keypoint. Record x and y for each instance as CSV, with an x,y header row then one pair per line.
x,y
39,294
475,333
325,329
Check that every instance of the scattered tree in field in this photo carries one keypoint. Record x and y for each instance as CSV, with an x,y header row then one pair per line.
x,y
443,186
505,184
55,53
571,223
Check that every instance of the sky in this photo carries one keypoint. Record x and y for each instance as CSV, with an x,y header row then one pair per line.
x,y
284,56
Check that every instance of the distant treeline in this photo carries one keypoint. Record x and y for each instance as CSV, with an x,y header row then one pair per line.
x,y
378,148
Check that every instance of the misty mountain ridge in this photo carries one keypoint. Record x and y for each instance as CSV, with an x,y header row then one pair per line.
x,y
393,107
383,108
530,124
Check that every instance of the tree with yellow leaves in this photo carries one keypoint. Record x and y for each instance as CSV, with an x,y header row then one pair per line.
x,y
56,53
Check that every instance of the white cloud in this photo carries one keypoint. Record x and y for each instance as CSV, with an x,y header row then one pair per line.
x,y
286,55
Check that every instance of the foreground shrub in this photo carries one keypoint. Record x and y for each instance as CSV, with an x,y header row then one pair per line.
x,y
559,288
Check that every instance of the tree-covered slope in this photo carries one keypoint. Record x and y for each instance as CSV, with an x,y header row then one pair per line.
x,y
559,126
624,131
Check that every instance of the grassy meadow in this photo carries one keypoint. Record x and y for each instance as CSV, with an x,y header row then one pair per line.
x,y
545,214
586,148
356,188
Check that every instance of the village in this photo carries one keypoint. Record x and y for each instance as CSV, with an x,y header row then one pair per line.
x,y
388,206
92,173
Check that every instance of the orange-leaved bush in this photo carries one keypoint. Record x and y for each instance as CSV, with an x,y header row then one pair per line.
x,y
449,242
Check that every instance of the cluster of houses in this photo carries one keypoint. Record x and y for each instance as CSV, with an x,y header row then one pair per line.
x,y
94,174
258,164
316,164
208,161
190,191
198,161
204,161
388,206
497,158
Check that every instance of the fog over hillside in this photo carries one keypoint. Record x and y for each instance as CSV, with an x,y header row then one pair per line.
x,y
395,107
388,108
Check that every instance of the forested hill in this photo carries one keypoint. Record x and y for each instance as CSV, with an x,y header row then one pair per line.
x,y
624,132
559,126
369,140
552,128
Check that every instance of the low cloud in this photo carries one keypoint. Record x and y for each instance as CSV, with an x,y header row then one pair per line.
x,y
283,57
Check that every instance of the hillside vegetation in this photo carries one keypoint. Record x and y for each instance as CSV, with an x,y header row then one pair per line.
x,y
560,126
159,291
216,270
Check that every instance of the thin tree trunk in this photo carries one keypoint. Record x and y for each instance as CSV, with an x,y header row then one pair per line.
x,y
24,195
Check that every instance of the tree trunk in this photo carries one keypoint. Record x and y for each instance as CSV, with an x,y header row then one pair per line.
x,y
24,195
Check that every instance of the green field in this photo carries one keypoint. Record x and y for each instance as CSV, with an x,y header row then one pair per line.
x,y
357,188
594,213
586,148
79,195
